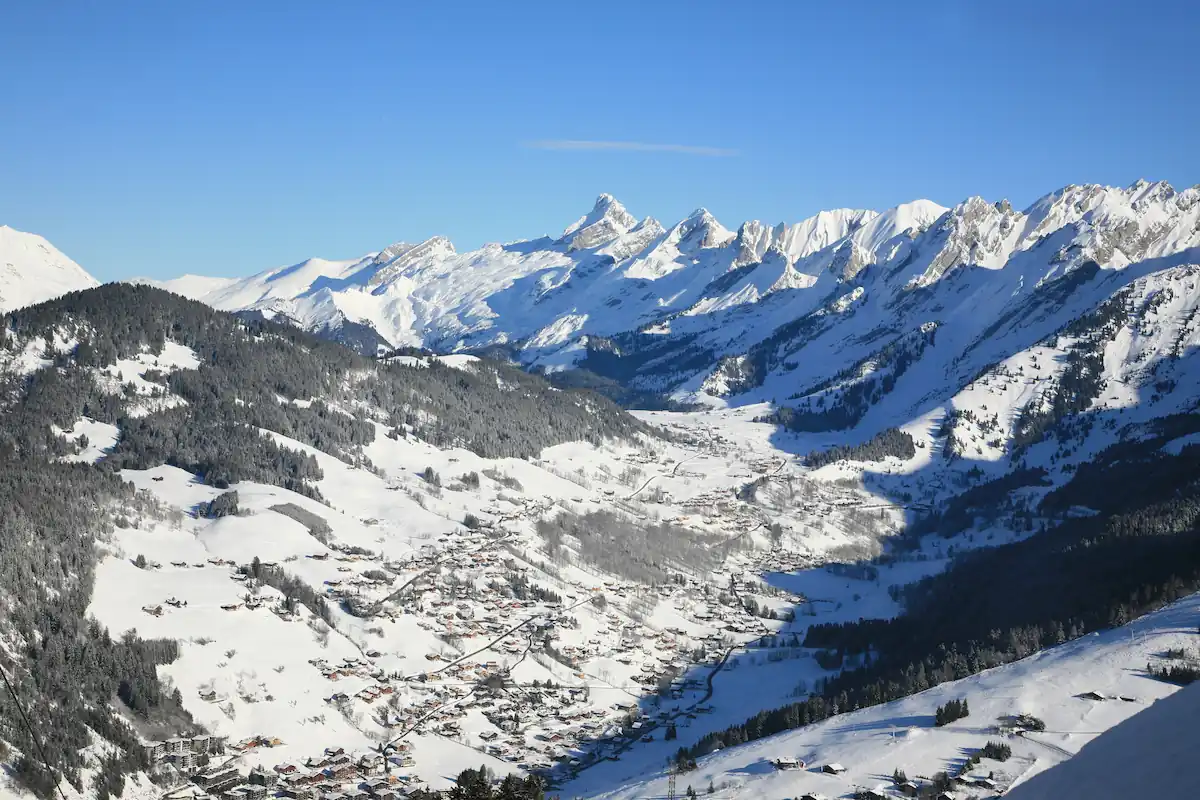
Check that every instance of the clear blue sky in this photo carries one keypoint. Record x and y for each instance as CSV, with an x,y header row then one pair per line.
x,y
157,138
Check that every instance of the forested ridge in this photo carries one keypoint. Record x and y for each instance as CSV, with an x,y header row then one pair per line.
x,y
70,675
254,371
66,669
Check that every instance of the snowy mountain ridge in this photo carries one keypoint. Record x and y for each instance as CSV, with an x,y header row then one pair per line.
x,y
608,272
664,308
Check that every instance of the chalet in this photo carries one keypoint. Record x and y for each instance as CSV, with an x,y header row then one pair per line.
x,y
343,772
1092,696
946,796
210,696
833,769
154,611
908,789
788,763
370,762
812,796
376,785
325,788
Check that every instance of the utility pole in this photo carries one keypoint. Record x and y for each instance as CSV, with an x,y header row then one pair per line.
x,y
671,783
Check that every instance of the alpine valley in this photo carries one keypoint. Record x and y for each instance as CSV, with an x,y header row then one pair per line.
x,y
875,504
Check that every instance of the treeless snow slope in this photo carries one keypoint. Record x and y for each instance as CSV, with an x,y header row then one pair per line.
x,y
33,270
1141,757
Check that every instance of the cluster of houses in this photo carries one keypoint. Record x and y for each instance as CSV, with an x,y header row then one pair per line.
x,y
478,600
906,788
336,775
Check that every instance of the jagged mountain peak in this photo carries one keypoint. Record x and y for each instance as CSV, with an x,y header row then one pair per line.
x,y
800,239
702,228
607,220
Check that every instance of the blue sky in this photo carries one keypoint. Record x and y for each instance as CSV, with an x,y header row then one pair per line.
x,y
157,138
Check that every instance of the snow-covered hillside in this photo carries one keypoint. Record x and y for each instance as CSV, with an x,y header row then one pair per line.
x,y
1138,758
33,270
1078,690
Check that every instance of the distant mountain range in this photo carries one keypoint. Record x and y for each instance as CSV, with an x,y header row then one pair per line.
x,y
545,299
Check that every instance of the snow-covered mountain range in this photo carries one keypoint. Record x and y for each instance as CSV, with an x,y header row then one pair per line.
x,y
696,309
607,274
33,270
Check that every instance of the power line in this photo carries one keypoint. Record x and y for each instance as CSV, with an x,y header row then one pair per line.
x,y
32,735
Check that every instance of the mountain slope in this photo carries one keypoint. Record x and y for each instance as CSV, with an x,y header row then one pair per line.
x,y
141,379
33,270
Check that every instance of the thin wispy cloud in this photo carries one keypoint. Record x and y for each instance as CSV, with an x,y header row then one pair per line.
x,y
640,147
